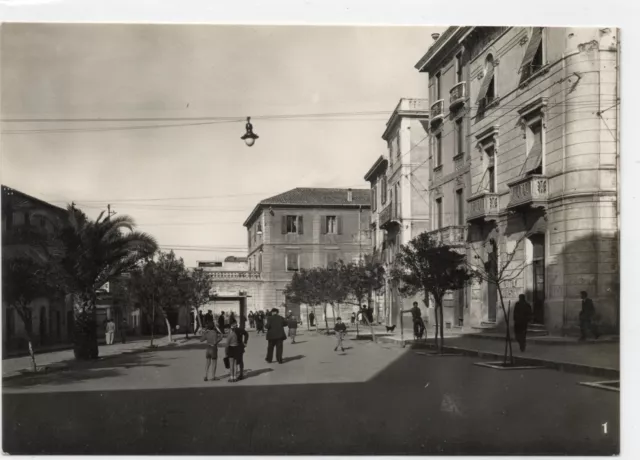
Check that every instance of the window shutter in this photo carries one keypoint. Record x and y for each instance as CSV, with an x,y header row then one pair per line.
x,y
339,219
485,84
286,262
300,225
323,225
534,158
284,225
534,43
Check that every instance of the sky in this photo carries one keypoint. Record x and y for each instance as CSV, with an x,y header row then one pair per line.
x,y
115,94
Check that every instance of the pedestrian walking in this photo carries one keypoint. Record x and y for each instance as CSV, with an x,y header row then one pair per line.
x,y
312,319
236,343
213,338
221,322
522,314
587,317
110,331
292,323
232,319
353,319
123,331
251,320
259,320
275,335
208,318
341,330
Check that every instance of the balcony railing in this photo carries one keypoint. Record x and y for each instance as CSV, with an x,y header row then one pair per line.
x,y
454,235
235,275
389,216
529,191
437,111
483,206
458,95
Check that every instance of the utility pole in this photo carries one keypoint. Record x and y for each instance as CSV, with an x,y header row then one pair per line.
x,y
109,212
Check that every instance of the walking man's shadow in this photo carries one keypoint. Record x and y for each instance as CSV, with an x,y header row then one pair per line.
x,y
292,358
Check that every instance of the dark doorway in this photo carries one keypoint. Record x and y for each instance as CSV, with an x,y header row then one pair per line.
x,y
43,325
538,268
458,307
492,294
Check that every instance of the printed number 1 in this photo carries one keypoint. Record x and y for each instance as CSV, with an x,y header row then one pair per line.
x,y
604,427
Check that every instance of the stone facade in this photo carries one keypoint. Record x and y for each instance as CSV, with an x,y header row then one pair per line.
x,y
289,231
540,167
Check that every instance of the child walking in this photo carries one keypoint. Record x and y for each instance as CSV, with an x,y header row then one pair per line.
x,y
341,330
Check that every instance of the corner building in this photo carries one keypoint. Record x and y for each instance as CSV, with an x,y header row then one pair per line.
x,y
527,118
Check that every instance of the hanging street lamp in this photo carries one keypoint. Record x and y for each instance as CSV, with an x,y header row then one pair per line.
x,y
249,137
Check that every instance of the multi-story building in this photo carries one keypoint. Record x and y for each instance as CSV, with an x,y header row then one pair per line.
x,y
305,228
399,204
51,320
524,148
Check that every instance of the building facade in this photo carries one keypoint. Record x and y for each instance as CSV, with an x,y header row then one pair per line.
x,y
524,151
399,195
51,320
305,228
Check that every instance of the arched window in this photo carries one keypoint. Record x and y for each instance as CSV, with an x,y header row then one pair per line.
x,y
487,93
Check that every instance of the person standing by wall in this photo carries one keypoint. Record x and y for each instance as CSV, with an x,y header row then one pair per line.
x,y
522,314
275,335
110,331
312,319
587,317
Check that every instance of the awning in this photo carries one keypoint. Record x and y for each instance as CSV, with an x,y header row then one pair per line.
x,y
534,43
485,83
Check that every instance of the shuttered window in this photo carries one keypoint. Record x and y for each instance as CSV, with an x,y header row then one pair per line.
x,y
533,164
292,225
487,89
532,61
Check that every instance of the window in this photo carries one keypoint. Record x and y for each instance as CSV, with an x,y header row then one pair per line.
x,y
491,177
397,142
332,258
458,67
374,200
396,204
292,224
374,236
460,206
260,261
438,148
487,93
439,213
489,151
292,261
383,191
533,57
390,145
391,201
459,137
533,164
255,233
331,225
436,87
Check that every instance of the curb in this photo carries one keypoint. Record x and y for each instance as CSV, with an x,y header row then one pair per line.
x,y
547,341
574,368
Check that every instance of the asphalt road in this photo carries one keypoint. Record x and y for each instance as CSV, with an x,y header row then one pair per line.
x,y
373,399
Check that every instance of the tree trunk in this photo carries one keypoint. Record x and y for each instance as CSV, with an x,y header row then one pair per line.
x,y
508,349
333,310
166,320
32,354
441,327
326,321
437,318
85,336
24,313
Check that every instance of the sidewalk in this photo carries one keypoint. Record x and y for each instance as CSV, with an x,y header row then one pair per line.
x,y
13,366
593,357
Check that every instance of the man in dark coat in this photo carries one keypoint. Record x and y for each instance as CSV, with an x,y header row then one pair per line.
x,y
221,322
522,313
312,319
275,335
587,317
259,319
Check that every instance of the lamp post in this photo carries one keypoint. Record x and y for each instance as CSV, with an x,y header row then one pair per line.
x,y
249,137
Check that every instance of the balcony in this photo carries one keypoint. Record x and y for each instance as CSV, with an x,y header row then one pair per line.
x,y
529,191
458,96
484,206
437,112
454,235
234,275
389,217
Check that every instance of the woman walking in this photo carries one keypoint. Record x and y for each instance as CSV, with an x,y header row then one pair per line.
x,y
236,343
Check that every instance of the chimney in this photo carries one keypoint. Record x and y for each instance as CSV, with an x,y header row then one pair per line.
x,y
435,36
349,196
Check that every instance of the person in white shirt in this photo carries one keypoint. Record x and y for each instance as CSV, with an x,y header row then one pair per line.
x,y
110,331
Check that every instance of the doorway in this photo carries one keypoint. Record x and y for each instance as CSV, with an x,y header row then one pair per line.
x,y
492,289
538,275
43,325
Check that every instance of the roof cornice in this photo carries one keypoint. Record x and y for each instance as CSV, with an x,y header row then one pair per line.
x,y
447,41
380,164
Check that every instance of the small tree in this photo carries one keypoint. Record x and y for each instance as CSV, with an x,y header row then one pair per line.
x,y
301,289
361,280
426,265
502,274
199,284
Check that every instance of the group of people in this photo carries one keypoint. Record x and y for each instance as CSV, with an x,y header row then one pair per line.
x,y
238,339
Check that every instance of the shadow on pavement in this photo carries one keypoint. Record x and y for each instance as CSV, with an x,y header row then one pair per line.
x,y
288,359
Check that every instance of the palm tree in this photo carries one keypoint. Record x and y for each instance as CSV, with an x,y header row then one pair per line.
x,y
95,253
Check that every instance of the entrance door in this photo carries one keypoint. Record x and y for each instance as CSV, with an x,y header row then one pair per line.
x,y
538,267
458,307
492,295
43,325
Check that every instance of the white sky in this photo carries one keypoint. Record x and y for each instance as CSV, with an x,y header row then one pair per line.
x,y
93,71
